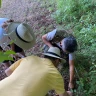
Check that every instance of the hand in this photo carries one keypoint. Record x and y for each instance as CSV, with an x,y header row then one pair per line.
x,y
71,85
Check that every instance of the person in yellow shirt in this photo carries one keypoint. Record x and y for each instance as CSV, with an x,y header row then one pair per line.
x,y
34,76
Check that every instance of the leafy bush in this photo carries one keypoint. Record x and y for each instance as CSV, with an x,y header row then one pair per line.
x,y
80,16
92,82
73,10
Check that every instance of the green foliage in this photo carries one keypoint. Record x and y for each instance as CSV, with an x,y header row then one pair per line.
x,y
72,10
92,82
80,16
86,38
0,2
6,55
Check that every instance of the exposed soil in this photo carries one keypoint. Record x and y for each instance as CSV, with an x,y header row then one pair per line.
x,y
34,12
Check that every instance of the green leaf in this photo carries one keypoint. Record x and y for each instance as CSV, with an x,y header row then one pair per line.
x,y
5,57
0,3
9,52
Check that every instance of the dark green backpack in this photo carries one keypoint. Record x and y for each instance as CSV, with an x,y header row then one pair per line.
x,y
60,34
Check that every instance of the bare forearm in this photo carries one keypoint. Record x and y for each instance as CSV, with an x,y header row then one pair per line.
x,y
8,72
46,41
71,74
71,70
66,93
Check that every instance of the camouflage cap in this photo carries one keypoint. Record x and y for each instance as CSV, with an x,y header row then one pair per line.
x,y
61,33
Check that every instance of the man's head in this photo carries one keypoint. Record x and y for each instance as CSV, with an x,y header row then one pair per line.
x,y
21,34
54,55
69,44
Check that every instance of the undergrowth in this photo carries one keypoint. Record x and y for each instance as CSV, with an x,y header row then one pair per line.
x,y
80,17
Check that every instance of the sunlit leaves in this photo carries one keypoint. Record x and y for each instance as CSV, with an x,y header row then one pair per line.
x,y
6,55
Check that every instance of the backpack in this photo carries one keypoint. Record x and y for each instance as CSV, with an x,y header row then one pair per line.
x,y
60,34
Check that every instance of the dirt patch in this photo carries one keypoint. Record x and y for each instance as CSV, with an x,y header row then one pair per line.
x,y
36,13
33,12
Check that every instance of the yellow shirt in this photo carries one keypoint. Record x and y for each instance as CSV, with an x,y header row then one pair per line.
x,y
32,76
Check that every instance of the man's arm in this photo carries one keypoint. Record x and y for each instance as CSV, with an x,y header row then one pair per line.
x,y
46,41
66,93
71,70
8,72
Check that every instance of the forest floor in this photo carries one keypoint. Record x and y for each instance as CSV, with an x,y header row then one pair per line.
x,y
36,13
